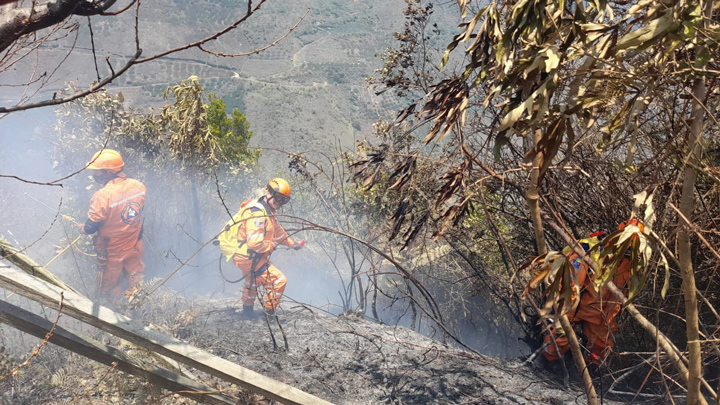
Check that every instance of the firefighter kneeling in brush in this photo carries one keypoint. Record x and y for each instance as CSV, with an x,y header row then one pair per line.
x,y
115,217
258,234
594,318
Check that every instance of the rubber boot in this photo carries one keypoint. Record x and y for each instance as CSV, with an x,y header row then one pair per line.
x,y
248,312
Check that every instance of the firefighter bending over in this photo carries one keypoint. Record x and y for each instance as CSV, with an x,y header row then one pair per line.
x,y
115,219
594,318
258,234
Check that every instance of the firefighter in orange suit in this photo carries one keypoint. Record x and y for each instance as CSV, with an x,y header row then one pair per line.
x,y
594,319
258,235
115,218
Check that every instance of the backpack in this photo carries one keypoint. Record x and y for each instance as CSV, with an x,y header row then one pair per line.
x,y
227,240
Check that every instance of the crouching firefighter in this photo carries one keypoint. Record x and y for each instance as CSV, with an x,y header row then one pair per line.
x,y
250,238
593,320
115,219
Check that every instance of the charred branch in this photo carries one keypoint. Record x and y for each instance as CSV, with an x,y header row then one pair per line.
x,y
18,22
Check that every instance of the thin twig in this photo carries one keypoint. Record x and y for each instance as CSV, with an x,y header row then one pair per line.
x,y
92,43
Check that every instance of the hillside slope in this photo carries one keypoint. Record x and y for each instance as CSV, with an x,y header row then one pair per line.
x,y
345,360
305,93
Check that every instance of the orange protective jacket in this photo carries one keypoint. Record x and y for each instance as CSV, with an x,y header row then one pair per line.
x,y
261,233
594,317
118,206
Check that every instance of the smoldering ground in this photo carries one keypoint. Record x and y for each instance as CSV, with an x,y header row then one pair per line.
x,y
348,360
345,360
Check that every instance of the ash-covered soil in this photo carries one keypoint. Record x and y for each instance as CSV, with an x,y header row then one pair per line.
x,y
348,360
344,360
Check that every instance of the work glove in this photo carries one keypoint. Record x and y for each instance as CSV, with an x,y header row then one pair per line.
x,y
298,245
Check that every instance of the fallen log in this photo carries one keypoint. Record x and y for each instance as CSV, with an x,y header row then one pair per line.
x,y
15,256
83,309
39,327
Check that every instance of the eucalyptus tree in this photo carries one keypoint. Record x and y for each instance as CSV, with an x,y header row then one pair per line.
x,y
199,135
543,80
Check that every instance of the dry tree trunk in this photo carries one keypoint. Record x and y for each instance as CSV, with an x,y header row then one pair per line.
x,y
533,199
687,203
579,360
533,196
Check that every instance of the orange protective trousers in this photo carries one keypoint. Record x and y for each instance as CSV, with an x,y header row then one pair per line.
x,y
594,318
272,279
127,263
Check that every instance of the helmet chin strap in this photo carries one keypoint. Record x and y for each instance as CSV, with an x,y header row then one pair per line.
x,y
272,197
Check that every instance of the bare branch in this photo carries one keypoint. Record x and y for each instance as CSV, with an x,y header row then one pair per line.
x,y
18,22
135,60
212,37
92,43
62,100
40,345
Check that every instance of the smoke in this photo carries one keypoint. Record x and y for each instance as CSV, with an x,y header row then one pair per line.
x,y
185,209
24,147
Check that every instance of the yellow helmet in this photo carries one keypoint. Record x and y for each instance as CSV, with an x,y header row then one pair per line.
x,y
107,159
280,189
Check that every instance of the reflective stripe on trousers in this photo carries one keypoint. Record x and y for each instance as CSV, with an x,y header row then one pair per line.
x,y
272,279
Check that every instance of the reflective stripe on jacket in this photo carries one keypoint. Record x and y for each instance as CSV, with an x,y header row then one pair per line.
x,y
261,231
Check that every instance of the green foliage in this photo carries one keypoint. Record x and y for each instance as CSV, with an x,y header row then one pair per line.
x,y
232,133
185,121
195,133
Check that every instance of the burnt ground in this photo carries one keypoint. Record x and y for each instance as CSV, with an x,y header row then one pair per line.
x,y
345,360
348,360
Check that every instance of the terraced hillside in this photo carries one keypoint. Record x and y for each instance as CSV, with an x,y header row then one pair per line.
x,y
308,91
